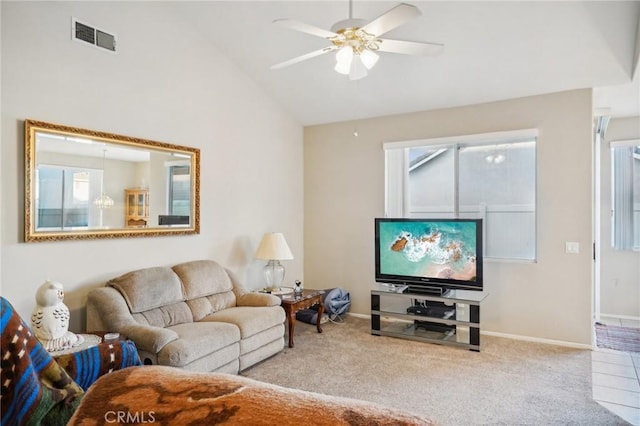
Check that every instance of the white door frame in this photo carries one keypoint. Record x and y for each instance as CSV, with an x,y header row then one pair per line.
x,y
599,128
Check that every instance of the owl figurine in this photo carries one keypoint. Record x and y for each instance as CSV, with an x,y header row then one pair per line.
x,y
50,318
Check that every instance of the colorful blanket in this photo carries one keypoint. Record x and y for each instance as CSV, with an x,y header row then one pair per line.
x,y
35,389
86,366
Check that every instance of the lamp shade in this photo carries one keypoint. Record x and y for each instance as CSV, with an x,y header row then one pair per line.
x,y
274,247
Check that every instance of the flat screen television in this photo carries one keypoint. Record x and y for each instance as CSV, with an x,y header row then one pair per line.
x,y
429,255
172,220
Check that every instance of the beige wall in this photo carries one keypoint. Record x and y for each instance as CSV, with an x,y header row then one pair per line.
x,y
619,270
165,84
344,191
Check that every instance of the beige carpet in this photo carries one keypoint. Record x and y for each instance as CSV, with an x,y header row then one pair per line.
x,y
508,383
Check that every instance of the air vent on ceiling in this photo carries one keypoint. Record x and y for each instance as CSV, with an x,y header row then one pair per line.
x,y
91,35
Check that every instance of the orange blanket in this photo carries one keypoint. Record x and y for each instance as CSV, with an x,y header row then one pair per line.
x,y
166,395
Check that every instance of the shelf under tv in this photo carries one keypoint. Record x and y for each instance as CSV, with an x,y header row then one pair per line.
x,y
390,318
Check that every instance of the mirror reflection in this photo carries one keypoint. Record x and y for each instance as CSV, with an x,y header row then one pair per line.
x,y
87,184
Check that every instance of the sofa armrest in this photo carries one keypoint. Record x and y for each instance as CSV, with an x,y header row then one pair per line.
x,y
149,338
107,310
244,297
258,299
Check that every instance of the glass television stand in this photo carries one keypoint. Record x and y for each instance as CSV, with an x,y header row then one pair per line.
x,y
450,319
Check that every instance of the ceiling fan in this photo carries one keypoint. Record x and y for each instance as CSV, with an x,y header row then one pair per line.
x,y
356,41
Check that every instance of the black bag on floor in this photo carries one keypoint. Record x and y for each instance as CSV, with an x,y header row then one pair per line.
x,y
309,316
336,303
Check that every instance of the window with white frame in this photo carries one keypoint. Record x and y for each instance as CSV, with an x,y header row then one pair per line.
x,y
625,217
62,196
488,176
179,190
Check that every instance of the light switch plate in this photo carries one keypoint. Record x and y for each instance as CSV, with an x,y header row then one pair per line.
x,y
572,247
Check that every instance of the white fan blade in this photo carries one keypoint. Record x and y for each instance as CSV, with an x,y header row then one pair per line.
x,y
410,47
304,57
392,19
305,28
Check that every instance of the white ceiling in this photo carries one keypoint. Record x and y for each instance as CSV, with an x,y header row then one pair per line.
x,y
87,147
493,51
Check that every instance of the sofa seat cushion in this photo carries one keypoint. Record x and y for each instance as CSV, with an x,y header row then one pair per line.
x,y
196,341
250,320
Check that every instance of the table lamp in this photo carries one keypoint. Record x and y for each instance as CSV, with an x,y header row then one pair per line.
x,y
274,248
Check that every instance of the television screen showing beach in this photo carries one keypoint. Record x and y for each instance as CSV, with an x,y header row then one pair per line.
x,y
442,250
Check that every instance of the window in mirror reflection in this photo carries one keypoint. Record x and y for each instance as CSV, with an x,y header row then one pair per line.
x,y
179,190
62,197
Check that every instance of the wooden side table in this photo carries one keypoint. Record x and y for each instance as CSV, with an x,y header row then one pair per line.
x,y
293,303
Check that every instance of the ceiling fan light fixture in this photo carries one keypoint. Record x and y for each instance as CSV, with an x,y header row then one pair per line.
x,y
358,69
344,58
357,41
104,201
369,58
495,158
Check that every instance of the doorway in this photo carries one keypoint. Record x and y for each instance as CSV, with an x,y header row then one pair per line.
x,y
616,266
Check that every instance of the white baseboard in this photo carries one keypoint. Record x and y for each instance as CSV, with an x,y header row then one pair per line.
x,y
624,317
539,340
512,336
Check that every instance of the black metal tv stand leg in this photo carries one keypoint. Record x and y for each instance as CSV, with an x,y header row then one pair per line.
x,y
375,306
474,332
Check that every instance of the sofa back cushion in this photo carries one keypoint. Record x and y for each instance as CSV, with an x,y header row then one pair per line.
x,y
203,278
165,316
149,288
207,287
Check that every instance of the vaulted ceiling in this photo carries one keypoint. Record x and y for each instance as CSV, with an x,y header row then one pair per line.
x,y
493,51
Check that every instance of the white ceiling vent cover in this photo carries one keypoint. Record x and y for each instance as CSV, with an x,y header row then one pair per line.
x,y
89,34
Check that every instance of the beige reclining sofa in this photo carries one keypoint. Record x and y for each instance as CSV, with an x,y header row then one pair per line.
x,y
194,315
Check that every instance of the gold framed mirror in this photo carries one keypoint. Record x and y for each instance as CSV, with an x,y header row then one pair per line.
x,y
87,184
